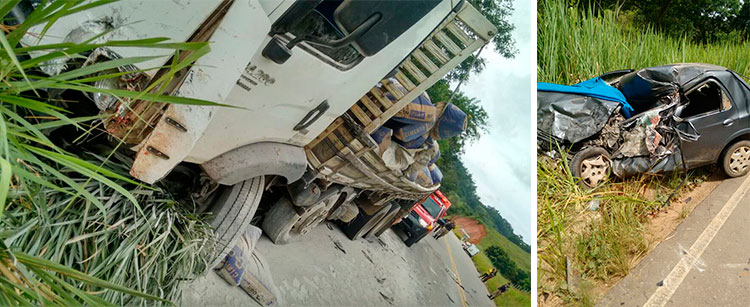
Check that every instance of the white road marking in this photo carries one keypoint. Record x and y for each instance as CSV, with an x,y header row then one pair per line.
x,y
678,273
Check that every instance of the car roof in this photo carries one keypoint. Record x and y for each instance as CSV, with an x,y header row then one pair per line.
x,y
682,73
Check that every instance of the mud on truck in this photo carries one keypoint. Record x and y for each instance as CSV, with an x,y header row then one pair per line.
x,y
316,87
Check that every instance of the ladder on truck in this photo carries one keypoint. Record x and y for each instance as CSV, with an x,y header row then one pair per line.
x,y
346,143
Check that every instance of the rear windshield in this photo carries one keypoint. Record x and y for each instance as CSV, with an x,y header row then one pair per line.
x,y
432,207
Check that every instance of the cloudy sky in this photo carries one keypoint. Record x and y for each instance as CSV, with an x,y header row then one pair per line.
x,y
500,161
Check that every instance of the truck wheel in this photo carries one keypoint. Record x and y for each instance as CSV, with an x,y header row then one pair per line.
x,y
413,240
232,212
591,165
363,223
736,159
385,223
286,223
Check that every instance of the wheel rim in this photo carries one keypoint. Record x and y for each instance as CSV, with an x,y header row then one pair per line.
x,y
740,159
594,170
313,215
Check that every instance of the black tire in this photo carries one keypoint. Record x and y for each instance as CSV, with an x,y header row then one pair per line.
x,y
363,223
413,240
285,223
232,212
384,223
590,178
735,160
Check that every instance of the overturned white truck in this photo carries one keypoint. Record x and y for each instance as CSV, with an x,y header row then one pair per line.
x,y
311,81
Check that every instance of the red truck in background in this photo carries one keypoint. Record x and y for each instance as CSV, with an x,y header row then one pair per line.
x,y
423,217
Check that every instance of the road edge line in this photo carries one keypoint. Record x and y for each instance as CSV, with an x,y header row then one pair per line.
x,y
670,284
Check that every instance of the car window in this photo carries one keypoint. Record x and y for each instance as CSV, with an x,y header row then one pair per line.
x,y
705,98
319,23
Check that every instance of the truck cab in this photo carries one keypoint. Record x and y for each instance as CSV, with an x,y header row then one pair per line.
x,y
422,219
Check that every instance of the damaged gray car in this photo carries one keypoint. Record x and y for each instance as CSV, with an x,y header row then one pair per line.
x,y
651,120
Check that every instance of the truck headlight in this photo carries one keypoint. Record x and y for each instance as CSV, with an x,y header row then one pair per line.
x,y
105,101
423,223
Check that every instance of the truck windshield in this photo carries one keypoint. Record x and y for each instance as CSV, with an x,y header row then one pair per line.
x,y
432,207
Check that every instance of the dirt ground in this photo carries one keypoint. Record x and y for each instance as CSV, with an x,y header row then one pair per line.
x,y
472,227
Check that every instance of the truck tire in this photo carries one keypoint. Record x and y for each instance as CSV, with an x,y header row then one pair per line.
x,y
232,212
413,240
592,166
385,223
286,223
736,159
363,223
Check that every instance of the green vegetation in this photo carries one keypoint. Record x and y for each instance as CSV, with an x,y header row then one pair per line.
x,y
701,21
575,44
74,229
513,297
508,268
458,184
520,257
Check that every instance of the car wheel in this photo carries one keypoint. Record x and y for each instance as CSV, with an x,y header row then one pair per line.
x,y
736,160
286,223
232,212
591,165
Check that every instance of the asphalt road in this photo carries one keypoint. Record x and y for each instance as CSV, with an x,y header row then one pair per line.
x,y
315,272
705,262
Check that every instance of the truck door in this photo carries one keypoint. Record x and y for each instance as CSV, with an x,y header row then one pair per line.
x,y
707,121
292,101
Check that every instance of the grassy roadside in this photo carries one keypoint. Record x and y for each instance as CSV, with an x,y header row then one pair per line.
x,y
513,297
600,244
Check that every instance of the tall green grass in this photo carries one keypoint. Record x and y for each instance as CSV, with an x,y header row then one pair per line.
x,y
74,228
575,45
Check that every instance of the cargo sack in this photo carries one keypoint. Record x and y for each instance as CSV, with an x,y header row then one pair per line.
x,y
397,158
244,268
421,177
435,173
413,144
419,110
382,136
434,144
451,122
406,133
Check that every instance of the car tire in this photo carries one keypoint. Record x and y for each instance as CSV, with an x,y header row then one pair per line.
x,y
384,223
736,159
363,223
231,214
285,223
591,166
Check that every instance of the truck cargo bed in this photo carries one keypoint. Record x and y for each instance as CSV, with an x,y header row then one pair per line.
x,y
346,154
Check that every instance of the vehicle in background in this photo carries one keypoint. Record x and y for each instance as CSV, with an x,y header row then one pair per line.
x,y
470,248
309,82
423,217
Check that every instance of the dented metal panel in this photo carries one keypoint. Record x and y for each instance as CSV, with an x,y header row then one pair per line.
x,y
243,28
127,20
